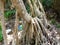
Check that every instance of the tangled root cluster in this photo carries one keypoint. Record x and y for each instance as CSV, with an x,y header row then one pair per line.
x,y
39,33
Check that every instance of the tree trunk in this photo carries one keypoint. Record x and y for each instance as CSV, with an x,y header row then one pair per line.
x,y
15,31
20,7
37,30
3,22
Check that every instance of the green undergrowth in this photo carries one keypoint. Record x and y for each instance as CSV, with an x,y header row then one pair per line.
x,y
47,3
1,36
54,22
9,13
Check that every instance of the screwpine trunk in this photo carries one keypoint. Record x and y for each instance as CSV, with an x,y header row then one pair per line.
x,y
3,22
36,30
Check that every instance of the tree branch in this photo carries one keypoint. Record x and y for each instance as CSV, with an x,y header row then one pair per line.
x,y
20,7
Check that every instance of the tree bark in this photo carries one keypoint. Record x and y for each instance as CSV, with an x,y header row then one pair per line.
x,y
15,31
3,22
20,7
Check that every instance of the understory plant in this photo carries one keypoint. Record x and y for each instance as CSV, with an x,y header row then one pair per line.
x,y
1,36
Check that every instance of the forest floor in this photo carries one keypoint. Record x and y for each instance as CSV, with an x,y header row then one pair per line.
x,y
53,18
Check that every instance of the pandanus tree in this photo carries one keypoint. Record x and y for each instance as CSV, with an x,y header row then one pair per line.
x,y
3,22
36,29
